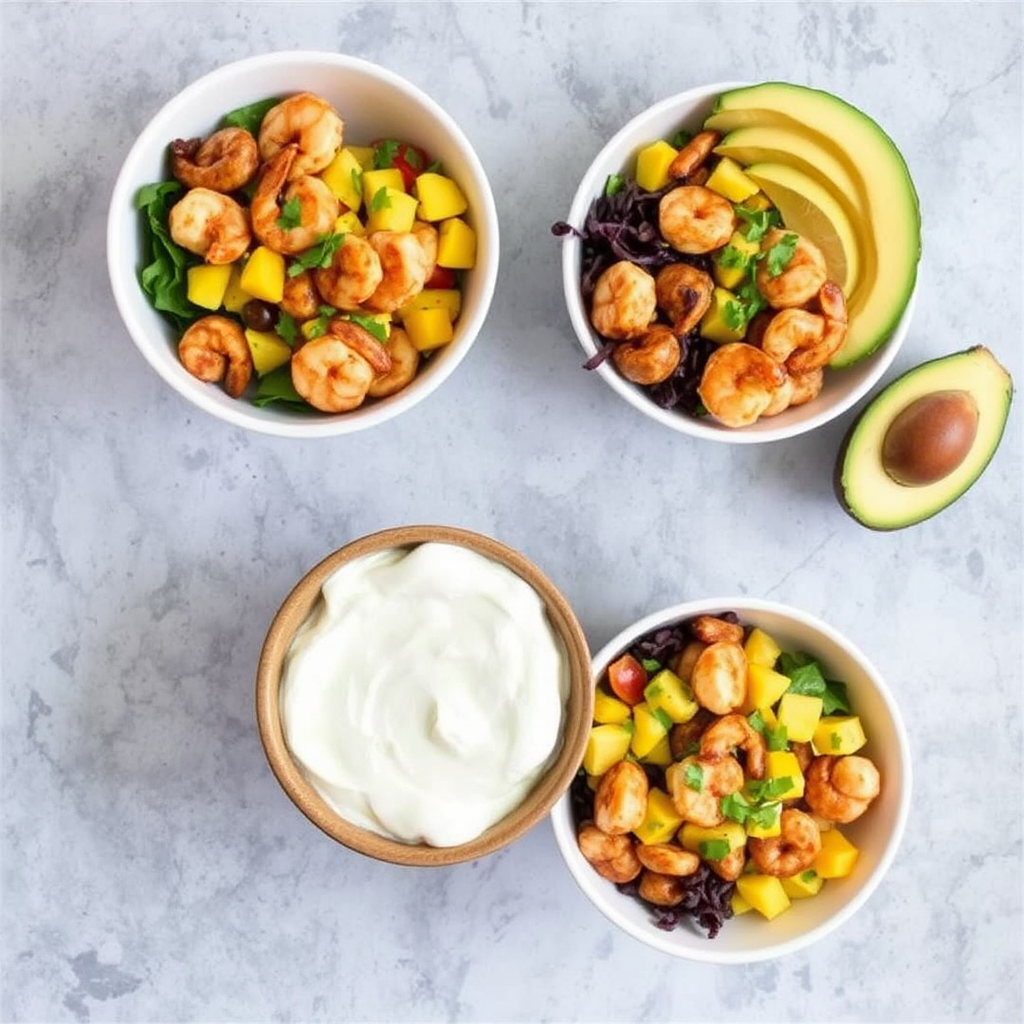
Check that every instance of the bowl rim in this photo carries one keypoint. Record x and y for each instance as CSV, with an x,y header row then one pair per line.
x,y
245,414
587,190
562,821
577,712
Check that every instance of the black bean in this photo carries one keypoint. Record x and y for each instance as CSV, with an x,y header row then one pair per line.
x,y
259,315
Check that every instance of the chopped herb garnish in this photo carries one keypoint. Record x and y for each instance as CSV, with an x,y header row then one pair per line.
x,y
757,223
809,875
357,180
650,665
277,386
748,303
769,789
384,153
733,258
736,807
757,722
765,816
319,326
434,167
368,323
693,776
614,185
287,328
835,741
381,200
777,738
681,138
663,716
250,117
780,254
291,214
318,256
714,849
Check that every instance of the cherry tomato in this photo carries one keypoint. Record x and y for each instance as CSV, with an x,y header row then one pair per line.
x,y
410,160
442,277
627,678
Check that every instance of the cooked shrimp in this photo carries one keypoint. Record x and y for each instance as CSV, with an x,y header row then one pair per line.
x,y
799,280
308,122
226,161
405,362
684,737
806,386
214,348
624,303
334,372
709,629
406,265
667,859
621,798
719,679
682,663
661,890
731,733
694,220
353,275
697,786
301,298
693,155
649,359
211,225
731,866
612,857
426,234
804,754
317,208
803,340
782,399
684,295
738,383
790,852
841,788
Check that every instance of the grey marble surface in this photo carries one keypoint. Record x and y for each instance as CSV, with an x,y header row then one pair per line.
x,y
152,870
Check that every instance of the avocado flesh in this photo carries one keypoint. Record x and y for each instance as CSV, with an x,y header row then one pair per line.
x,y
874,163
864,488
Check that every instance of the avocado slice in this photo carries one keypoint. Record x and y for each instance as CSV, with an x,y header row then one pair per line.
x,y
875,165
865,488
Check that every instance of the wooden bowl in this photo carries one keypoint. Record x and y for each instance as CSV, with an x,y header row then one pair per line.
x,y
550,787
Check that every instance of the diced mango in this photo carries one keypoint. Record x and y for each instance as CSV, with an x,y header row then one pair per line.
x,y
384,177
440,197
768,828
758,202
782,764
606,745
761,649
235,296
652,163
652,726
363,155
608,708
764,893
433,298
348,223
837,855
807,883
661,755
661,819
768,717
391,210
456,245
730,265
693,837
669,693
263,275
739,904
428,328
207,284
799,713
714,325
269,350
344,177
839,735
727,179
764,687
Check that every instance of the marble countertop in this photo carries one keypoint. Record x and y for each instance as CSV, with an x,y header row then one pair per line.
x,y
152,869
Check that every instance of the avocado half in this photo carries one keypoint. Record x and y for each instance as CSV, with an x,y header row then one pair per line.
x,y
864,488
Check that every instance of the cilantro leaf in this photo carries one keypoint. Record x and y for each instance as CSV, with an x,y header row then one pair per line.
x,y
319,327
714,849
736,807
368,323
650,665
780,254
733,258
777,738
757,223
614,184
318,256
766,815
357,180
384,153
286,328
381,200
681,138
834,698
277,386
693,776
250,117
757,722
291,214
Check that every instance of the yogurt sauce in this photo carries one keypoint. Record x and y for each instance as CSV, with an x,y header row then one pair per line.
x,y
424,696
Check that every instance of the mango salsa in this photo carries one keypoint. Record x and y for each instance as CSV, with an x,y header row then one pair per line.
x,y
344,177
263,275
606,746
837,855
207,284
764,893
652,163
661,819
428,328
440,197
391,209
269,350
839,735
799,714
456,244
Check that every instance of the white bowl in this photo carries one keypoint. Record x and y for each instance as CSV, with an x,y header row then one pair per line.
x,y
877,833
842,389
373,102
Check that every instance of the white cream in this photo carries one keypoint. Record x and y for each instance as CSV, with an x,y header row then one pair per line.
x,y
424,697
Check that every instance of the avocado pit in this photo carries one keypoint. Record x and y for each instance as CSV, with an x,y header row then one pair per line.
x,y
930,438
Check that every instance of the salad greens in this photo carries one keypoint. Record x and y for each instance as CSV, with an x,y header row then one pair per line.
x,y
249,117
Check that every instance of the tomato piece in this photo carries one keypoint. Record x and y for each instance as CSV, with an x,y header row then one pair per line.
x,y
627,678
442,277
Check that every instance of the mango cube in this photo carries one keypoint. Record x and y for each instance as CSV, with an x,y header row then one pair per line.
x,y
439,196
669,693
235,296
758,202
449,299
807,883
728,179
661,819
782,764
391,210
764,893
693,837
652,726
715,324
652,163
363,156
839,735
739,904
660,755
385,177
761,649
428,328
344,177
799,713
456,245
207,284
263,275
768,828
269,350
837,855
608,708
607,745
348,223
764,687
730,265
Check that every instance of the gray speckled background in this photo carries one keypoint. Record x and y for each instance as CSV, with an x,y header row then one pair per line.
x,y
152,870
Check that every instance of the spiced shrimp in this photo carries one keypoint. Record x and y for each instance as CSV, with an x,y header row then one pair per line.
x,y
799,279
405,266
738,383
697,786
334,372
683,294
719,677
307,122
301,298
790,852
211,225
694,155
624,303
405,363
694,219
353,275
612,857
649,359
228,160
621,798
803,340
214,349
291,213
732,733
841,788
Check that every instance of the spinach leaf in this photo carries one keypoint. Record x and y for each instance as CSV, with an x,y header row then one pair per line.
x,y
251,117
277,386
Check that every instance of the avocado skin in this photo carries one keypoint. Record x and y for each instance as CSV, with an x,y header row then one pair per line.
x,y
975,370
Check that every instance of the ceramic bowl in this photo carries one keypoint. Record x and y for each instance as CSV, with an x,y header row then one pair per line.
x,y
578,706
373,102
842,388
751,937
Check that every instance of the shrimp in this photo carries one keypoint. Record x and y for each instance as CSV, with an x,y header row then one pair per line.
x,y
624,303
719,679
405,362
667,859
806,386
697,786
661,890
334,372
684,737
426,234
738,383
731,866
301,298
214,348
694,220
801,277
228,160
309,123
317,208
211,225
405,265
709,629
684,295
353,275
803,340
649,359
804,754
790,852
841,788
612,857
733,732
621,798
683,662
693,155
